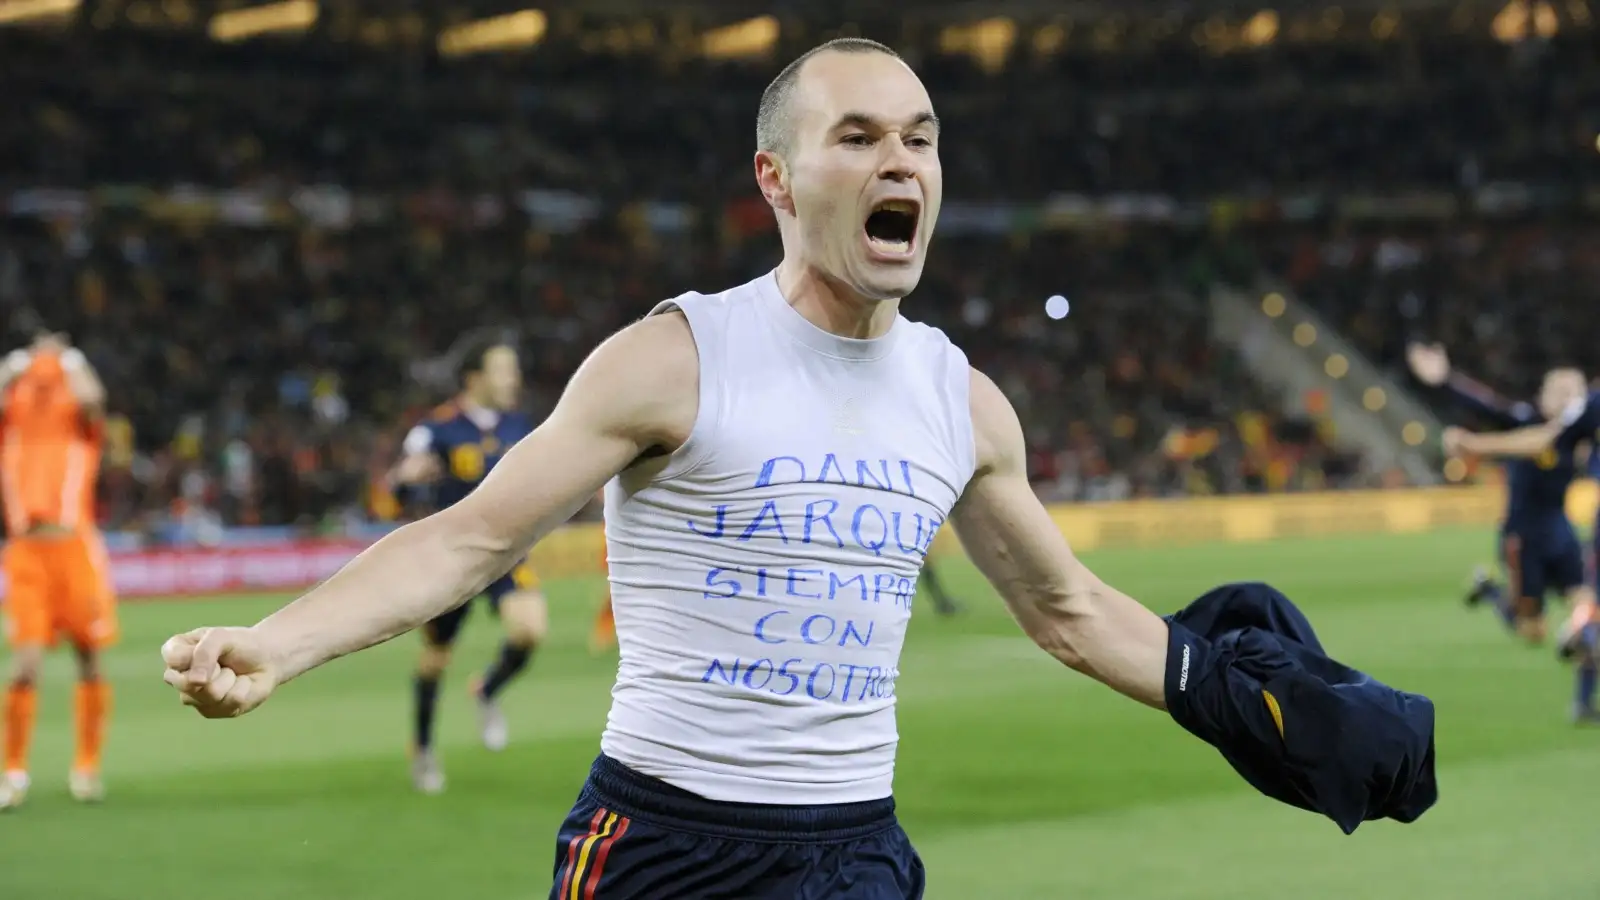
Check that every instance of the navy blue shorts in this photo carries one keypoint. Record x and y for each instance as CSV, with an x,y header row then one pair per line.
x,y
632,837
1539,559
442,631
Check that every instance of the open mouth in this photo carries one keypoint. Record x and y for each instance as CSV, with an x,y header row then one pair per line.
x,y
892,227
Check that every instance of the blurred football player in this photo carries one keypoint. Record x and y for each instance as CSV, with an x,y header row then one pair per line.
x,y
1542,449
943,603
451,452
1539,445
1579,639
51,413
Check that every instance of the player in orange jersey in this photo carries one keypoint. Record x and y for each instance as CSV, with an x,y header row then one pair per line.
x,y
58,583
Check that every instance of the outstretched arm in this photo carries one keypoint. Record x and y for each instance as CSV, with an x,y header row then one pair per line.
x,y
635,392
1431,365
1579,419
1487,402
1528,441
1068,611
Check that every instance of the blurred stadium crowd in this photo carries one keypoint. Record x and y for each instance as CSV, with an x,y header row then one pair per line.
x,y
270,250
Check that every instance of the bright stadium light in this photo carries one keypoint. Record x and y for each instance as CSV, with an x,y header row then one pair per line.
x,y
1545,23
1048,40
1274,305
1262,29
988,42
1305,334
1374,399
1385,25
1510,25
749,39
273,18
17,11
1455,469
1337,366
1414,433
507,32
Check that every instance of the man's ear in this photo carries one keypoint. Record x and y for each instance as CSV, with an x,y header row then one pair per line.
x,y
772,176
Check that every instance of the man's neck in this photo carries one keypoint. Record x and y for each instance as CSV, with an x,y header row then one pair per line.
x,y
831,306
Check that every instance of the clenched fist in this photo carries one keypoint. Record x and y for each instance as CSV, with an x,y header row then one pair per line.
x,y
222,672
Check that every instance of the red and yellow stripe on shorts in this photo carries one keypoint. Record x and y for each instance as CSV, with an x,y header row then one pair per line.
x,y
586,855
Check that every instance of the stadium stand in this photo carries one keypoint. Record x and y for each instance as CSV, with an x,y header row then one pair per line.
x,y
263,329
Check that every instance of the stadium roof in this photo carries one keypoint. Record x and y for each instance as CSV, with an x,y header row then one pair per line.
x,y
729,29
846,10
831,10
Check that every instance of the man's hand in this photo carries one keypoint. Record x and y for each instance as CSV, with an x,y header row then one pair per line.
x,y
1429,363
416,468
14,364
1454,440
222,672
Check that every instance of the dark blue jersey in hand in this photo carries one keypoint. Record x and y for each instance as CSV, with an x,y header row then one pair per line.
x,y
1537,488
468,442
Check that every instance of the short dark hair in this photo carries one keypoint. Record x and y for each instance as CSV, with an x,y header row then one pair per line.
x,y
475,353
773,126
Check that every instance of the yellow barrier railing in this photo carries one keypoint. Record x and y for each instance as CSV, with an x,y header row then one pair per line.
x,y
572,552
1153,523
578,550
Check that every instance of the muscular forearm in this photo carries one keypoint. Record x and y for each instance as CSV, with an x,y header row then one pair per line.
x,y
1061,605
1110,637
1094,629
412,575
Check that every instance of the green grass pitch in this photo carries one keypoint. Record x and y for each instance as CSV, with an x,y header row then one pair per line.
x,y
1017,778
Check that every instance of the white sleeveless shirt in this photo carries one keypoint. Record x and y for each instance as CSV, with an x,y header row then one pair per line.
x,y
762,581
